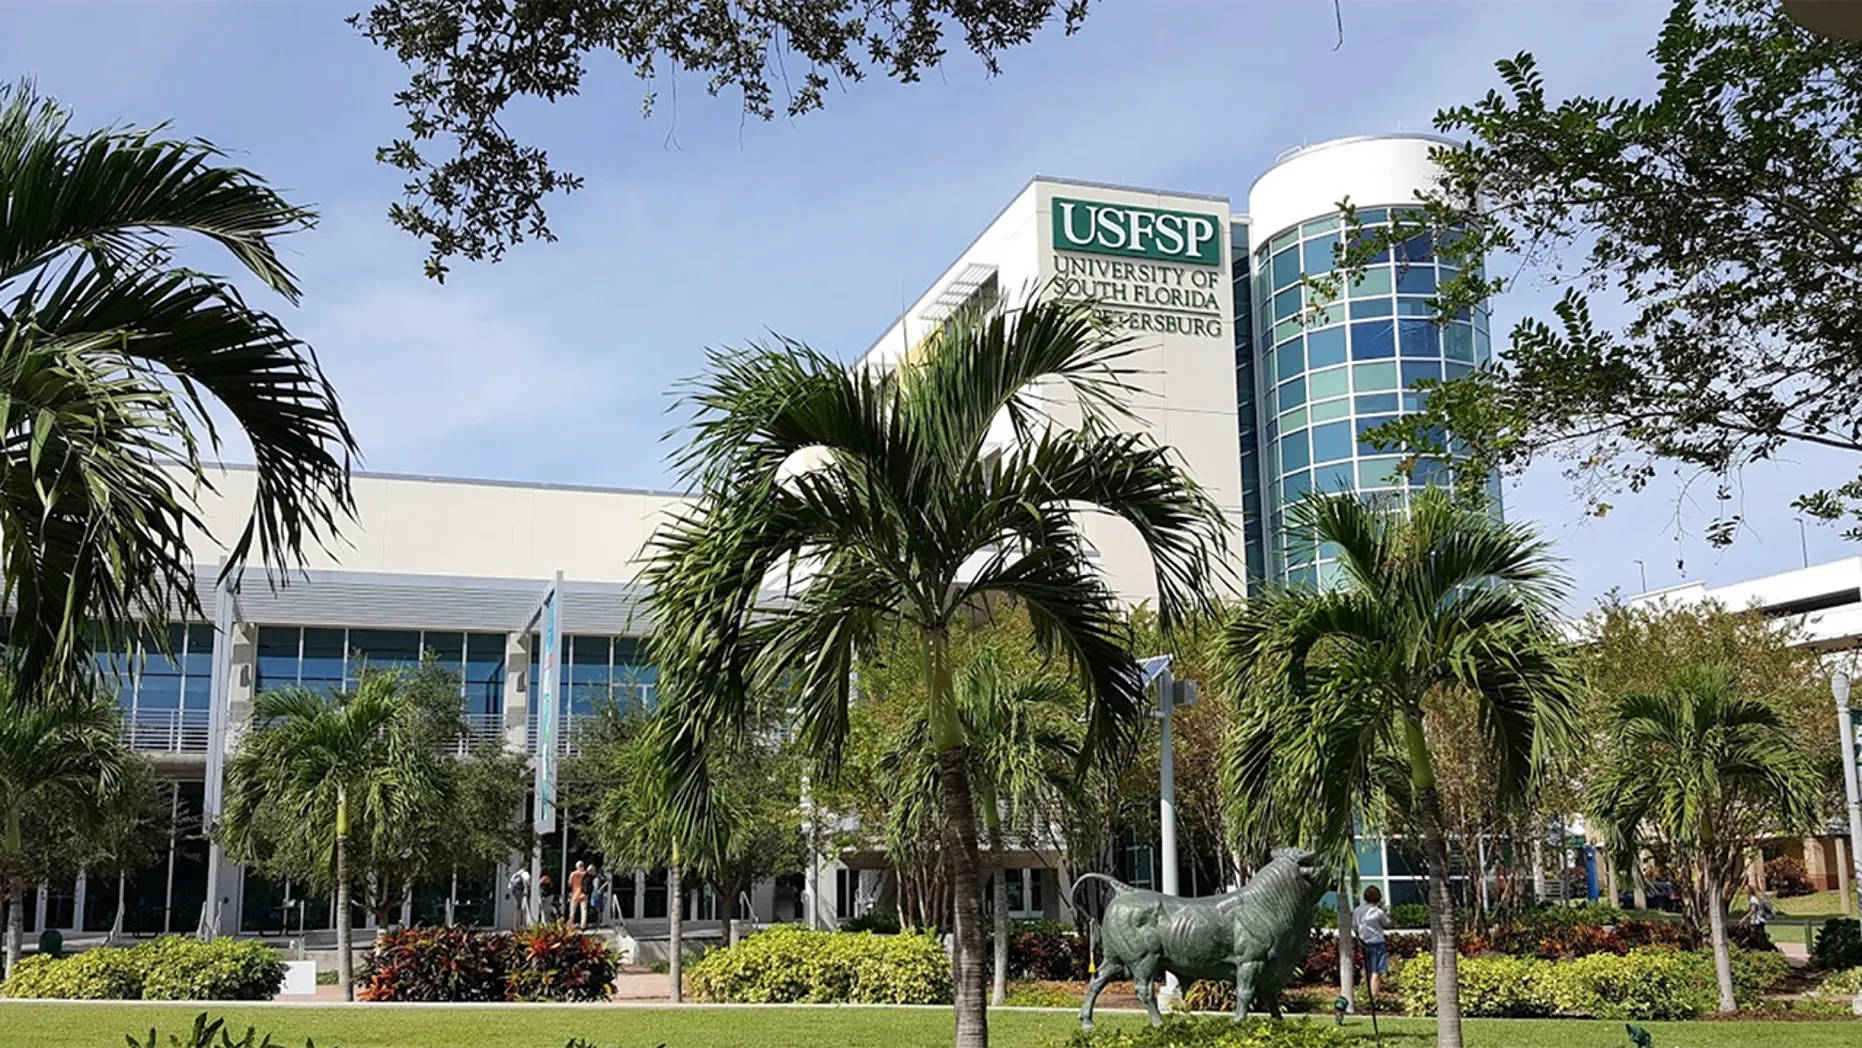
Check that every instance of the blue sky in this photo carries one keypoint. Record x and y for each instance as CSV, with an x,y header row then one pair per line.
x,y
698,228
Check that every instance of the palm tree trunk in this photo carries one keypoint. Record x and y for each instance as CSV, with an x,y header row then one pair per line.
x,y
1347,943
1722,954
999,980
345,961
16,892
1441,901
675,931
960,829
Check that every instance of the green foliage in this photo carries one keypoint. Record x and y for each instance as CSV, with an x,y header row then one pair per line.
x,y
212,1034
1646,983
102,974
1409,915
489,193
1845,983
182,968
1741,165
1036,994
1046,950
787,963
1838,945
1212,1032
876,921
172,968
117,361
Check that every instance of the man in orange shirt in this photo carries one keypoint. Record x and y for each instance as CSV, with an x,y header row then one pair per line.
x,y
578,896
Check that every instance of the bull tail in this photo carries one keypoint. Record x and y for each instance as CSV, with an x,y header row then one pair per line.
x,y
1118,887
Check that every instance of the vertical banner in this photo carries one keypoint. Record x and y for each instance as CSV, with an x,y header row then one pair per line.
x,y
549,688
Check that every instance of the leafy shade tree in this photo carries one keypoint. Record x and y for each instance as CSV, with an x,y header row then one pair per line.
x,y
1439,599
1023,754
111,355
128,834
65,757
635,826
316,771
1719,212
873,499
1704,769
470,61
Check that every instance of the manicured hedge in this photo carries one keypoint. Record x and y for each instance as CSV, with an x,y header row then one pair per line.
x,y
787,963
546,963
1645,983
172,968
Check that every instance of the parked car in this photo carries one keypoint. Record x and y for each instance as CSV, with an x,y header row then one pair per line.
x,y
1661,895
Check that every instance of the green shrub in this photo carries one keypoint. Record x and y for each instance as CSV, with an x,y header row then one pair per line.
x,y
788,963
1032,994
1182,1031
103,974
207,1034
172,968
181,968
1408,915
1648,983
1324,917
1842,984
1839,945
876,921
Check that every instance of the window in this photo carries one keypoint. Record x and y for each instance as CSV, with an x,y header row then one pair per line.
x,y
1287,303
1419,339
1293,451
1415,371
1383,472
1292,393
1295,486
1368,308
1415,280
1289,359
1452,370
1413,306
1372,339
1294,419
1365,425
1331,442
484,673
1326,347
1376,402
1458,342
1333,478
1370,377
1374,281
1318,226
1286,267
1319,254
1323,385
1336,409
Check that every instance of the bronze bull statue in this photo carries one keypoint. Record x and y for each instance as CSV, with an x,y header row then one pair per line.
x,y
1255,936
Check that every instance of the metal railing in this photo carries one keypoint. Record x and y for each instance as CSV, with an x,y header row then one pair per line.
x,y
480,729
569,727
166,731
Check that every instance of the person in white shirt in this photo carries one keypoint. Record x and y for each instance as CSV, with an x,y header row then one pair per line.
x,y
1372,922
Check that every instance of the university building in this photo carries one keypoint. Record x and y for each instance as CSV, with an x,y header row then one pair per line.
x,y
1261,405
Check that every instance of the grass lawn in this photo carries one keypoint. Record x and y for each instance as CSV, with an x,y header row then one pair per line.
x,y
103,1026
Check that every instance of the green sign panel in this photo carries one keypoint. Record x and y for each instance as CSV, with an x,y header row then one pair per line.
x,y
1139,232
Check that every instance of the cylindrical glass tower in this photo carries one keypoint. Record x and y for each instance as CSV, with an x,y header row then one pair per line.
x,y
1322,381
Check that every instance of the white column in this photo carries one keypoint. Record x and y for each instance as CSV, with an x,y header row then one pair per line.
x,y
1845,724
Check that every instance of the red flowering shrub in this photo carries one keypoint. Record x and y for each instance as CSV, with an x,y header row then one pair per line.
x,y
1787,877
554,962
1046,950
549,963
1321,963
435,964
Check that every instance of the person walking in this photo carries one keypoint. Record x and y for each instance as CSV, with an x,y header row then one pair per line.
x,y
597,894
578,895
518,887
1372,922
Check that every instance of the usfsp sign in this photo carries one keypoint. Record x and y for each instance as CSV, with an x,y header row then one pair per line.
x,y
1138,232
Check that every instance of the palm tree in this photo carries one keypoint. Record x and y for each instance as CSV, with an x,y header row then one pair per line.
x,y
1022,757
315,768
635,826
1705,769
111,354
67,756
1443,598
833,502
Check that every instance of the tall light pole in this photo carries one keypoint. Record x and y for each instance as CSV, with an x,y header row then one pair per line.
x,y
1171,693
1846,729
1643,573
